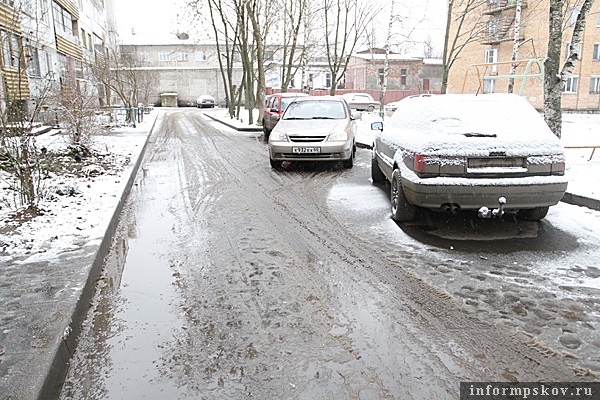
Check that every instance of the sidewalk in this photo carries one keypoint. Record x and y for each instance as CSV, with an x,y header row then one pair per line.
x,y
578,130
50,264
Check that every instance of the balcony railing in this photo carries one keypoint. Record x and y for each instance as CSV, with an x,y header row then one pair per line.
x,y
498,6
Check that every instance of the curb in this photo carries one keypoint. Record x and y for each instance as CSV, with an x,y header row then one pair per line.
x,y
249,128
581,201
53,382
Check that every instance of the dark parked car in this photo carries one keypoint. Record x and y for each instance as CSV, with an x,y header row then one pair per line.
x,y
315,128
274,108
490,152
361,101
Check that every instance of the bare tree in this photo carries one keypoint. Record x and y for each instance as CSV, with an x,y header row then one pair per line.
x,y
236,25
295,18
21,161
468,25
78,98
345,22
516,44
556,76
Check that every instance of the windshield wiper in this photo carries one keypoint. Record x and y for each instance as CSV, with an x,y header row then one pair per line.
x,y
475,134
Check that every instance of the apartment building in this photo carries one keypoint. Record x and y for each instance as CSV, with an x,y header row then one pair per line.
x,y
484,63
49,43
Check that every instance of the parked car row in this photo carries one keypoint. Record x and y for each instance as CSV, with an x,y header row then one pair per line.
x,y
444,153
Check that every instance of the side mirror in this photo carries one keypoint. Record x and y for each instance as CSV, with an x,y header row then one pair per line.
x,y
377,126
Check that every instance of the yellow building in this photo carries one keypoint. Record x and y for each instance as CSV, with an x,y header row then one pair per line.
x,y
484,63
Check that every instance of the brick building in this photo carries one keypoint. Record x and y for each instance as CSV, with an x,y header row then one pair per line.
x,y
484,63
366,71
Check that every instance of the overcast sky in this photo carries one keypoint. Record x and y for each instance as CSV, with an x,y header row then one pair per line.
x,y
157,19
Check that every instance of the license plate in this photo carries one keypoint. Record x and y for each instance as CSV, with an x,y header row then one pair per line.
x,y
306,150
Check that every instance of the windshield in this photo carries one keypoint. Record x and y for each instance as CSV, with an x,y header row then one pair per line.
x,y
315,110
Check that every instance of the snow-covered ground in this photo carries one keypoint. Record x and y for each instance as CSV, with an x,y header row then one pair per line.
x,y
76,210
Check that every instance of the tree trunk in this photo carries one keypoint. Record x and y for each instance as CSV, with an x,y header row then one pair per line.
x,y
554,77
515,52
446,50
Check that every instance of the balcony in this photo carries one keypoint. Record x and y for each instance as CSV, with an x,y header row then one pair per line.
x,y
499,6
498,27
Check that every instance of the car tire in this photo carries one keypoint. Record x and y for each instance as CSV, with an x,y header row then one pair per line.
x,y
533,214
349,163
275,164
371,109
376,173
402,210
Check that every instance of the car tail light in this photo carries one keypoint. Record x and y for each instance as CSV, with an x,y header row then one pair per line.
x,y
558,168
425,165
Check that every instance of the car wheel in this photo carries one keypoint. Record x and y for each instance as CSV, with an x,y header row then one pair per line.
x,y
376,173
402,210
349,163
371,109
533,214
275,164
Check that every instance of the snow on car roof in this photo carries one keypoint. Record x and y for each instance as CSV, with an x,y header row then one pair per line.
x,y
456,124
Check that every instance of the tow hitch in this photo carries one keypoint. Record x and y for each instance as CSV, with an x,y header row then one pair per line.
x,y
485,212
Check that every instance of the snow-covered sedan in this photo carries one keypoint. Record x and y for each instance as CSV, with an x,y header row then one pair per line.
x,y
491,153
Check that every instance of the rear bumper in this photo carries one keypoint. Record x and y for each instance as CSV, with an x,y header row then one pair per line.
x,y
471,194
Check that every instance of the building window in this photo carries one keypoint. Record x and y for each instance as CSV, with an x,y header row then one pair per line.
x,y
595,84
403,74
571,84
574,13
144,56
596,52
328,80
200,56
164,56
182,56
381,73
490,57
33,61
598,18
11,54
489,86
269,55
63,21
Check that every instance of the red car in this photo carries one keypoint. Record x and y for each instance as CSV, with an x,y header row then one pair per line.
x,y
274,107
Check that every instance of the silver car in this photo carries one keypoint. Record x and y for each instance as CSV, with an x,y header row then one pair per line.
x,y
491,153
314,128
361,102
